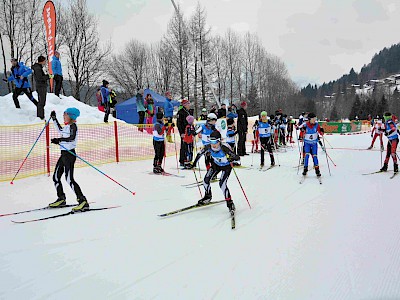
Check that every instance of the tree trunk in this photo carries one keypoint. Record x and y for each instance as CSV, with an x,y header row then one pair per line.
x,y
4,62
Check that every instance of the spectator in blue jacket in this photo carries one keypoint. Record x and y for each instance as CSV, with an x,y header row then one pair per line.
x,y
106,99
19,75
141,110
57,72
168,114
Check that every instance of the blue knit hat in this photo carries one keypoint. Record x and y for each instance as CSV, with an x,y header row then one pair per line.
x,y
73,113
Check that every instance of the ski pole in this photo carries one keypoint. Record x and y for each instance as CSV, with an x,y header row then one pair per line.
x,y
326,154
89,164
198,184
330,159
329,144
176,152
244,193
33,146
300,152
197,151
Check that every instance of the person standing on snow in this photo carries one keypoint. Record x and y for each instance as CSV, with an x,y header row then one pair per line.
x,y
182,122
106,99
66,162
41,84
311,130
222,157
205,130
203,115
242,124
19,75
141,110
168,114
57,72
264,130
392,135
159,129
378,129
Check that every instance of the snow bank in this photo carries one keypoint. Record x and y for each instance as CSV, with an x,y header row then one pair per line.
x,y
27,113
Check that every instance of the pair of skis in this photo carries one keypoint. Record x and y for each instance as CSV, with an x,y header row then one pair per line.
x,y
54,216
377,172
303,178
196,206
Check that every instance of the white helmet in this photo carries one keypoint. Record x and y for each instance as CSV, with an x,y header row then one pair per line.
x,y
212,116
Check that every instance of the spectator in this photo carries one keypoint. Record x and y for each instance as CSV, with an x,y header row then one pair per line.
x,y
141,110
203,115
149,104
168,114
222,111
57,72
214,110
242,124
182,123
19,75
231,113
106,99
41,84
99,98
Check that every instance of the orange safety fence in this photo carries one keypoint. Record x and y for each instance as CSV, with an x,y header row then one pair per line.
x,y
97,143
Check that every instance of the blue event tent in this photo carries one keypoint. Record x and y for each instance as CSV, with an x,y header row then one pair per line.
x,y
126,110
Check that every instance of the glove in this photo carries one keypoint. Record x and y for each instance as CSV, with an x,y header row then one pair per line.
x,y
51,76
371,134
5,80
53,115
386,133
173,125
189,166
55,141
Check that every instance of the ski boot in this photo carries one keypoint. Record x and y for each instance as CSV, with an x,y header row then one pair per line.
x,y
262,165
230,204
272,163
396,168
305,171
82,206
157,170
384,168
317,171
60,202
206,199
369,148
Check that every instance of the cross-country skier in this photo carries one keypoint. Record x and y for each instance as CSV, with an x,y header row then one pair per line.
x,y
159,129
206,130
290,128
393,140
230,138
378,129
264,129
222,156
66,162
311,130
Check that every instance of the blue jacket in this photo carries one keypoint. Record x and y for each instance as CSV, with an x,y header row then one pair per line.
x,y
231,115
140,103
105,94
168,109
17,72
56,66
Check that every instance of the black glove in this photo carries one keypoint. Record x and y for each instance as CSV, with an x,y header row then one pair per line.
x,y
55,141
53,115
189,166
173,125
386,133
5,80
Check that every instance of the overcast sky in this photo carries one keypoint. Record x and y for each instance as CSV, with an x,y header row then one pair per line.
x,y
319,40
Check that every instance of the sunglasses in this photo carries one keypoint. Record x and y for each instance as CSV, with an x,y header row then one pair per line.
x,y
214,141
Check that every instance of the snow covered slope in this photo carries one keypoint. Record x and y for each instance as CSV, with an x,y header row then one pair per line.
x,y
27,113
338,240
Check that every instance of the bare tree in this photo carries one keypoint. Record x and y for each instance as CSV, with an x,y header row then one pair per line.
x,y
86,56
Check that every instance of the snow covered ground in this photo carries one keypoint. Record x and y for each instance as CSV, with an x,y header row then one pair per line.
x,y
27,113
338,240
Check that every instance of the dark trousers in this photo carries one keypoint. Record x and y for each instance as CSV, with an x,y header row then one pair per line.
x,y
159,150
42,93
266,146
65,164
107,109
241,143
183,151
58,79
141,119
188,149
26,91
223,181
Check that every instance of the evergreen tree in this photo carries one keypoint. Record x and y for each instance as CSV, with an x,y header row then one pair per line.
x,y
355,109
334,114
383,106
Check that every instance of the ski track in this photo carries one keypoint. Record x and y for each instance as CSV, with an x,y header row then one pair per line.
x,y
338,240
